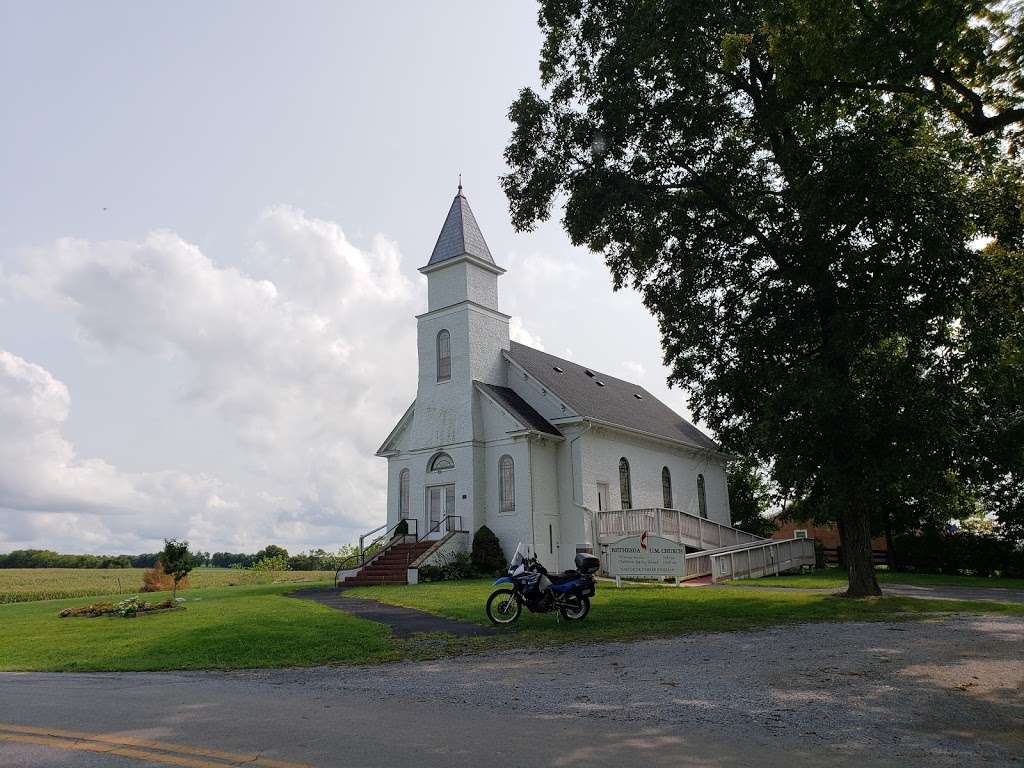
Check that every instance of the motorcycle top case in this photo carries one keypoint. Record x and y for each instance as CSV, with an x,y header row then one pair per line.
x,y
587,564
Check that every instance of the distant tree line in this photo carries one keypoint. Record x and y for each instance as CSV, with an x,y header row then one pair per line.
x,y
314,560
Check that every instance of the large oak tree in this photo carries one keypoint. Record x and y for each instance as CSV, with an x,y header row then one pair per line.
x,y
799,190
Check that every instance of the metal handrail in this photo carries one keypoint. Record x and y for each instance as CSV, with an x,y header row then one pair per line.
x,y
378,545
436,528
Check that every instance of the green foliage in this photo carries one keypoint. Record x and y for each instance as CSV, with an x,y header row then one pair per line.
x,y
750,498
963,552
272,551
45,558
487,557
176,560
796,189
270,564
449,568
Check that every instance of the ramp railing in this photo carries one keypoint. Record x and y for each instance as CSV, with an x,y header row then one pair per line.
x,y
767,557
684,527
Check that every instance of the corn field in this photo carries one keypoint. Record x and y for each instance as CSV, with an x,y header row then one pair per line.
x,y
19,585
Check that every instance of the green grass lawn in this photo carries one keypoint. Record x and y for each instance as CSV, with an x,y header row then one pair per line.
x,y
835,578
257,626
220,628
636,611
18,585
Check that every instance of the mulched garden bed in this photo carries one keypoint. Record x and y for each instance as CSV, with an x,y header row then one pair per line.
x,y
127,609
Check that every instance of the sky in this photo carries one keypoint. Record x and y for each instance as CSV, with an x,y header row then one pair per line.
x,y
211,221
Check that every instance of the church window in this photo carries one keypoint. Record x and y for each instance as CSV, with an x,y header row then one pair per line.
x,y
444,356
403,494
507,484
702,501
666,488
625,491
441,461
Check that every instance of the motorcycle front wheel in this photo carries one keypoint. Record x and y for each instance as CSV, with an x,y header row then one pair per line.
x,y
502,607
576,612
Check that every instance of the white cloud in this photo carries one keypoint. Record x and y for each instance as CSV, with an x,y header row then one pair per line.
x,y
296,356
517,332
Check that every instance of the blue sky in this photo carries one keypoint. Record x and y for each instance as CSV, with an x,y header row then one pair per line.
x,y
211,218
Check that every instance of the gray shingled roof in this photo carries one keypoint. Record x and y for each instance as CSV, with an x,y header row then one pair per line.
x,y
460,234
615,402
519,408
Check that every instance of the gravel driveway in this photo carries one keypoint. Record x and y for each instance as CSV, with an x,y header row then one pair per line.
x,y
946,692
937,693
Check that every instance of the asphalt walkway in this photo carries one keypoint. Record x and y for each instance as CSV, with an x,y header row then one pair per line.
x,y
404,622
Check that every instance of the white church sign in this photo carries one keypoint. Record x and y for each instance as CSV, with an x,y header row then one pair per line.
x,y
646,556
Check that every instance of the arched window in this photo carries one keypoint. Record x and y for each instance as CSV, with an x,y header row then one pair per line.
x,y
441,461
702,501
666,488
624,485
507,484
444,356
403,494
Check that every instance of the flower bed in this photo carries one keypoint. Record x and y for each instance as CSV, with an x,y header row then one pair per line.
x,y
126,608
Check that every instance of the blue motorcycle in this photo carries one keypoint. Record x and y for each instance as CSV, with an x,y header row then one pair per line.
x,y
531,585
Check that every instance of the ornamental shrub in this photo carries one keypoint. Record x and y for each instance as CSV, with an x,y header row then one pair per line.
x,y
487,557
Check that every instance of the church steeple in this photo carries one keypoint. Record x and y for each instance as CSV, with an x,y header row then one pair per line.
x,y
460,235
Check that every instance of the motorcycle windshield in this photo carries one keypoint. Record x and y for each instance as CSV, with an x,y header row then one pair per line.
x,y
517,558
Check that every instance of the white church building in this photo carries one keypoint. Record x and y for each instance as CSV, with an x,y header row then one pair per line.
x,y
535,447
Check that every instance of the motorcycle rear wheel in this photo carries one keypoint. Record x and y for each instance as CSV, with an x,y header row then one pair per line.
x,y
503,607
578,612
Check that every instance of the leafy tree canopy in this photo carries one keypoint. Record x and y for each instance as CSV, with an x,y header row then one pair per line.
x,y
797,189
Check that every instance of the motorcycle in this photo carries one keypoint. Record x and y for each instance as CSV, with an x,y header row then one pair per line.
x,y
529,583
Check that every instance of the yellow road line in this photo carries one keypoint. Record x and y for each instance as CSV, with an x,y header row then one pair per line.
x,y
144,749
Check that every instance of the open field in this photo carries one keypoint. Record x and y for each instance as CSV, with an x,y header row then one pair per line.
x,y
258,626
835,578
19,585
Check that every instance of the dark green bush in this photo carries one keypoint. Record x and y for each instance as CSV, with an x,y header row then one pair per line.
x,y
487,557
959,552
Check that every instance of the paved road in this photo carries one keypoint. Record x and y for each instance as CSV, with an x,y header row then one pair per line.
x,y
938,693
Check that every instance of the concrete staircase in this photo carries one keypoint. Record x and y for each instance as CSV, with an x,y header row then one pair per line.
x,y
391,567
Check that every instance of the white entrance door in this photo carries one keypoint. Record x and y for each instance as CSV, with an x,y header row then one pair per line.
x,y
440,503
602,497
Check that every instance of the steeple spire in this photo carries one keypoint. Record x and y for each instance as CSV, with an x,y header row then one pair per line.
x,y
460,235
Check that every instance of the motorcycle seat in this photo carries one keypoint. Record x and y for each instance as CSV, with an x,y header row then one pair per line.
x,y
558,578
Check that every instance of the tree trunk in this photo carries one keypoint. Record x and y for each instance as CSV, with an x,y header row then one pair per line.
x,y
860,567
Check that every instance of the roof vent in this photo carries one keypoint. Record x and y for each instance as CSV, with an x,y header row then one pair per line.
x,y
638,397
600,383
589,373
557,369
